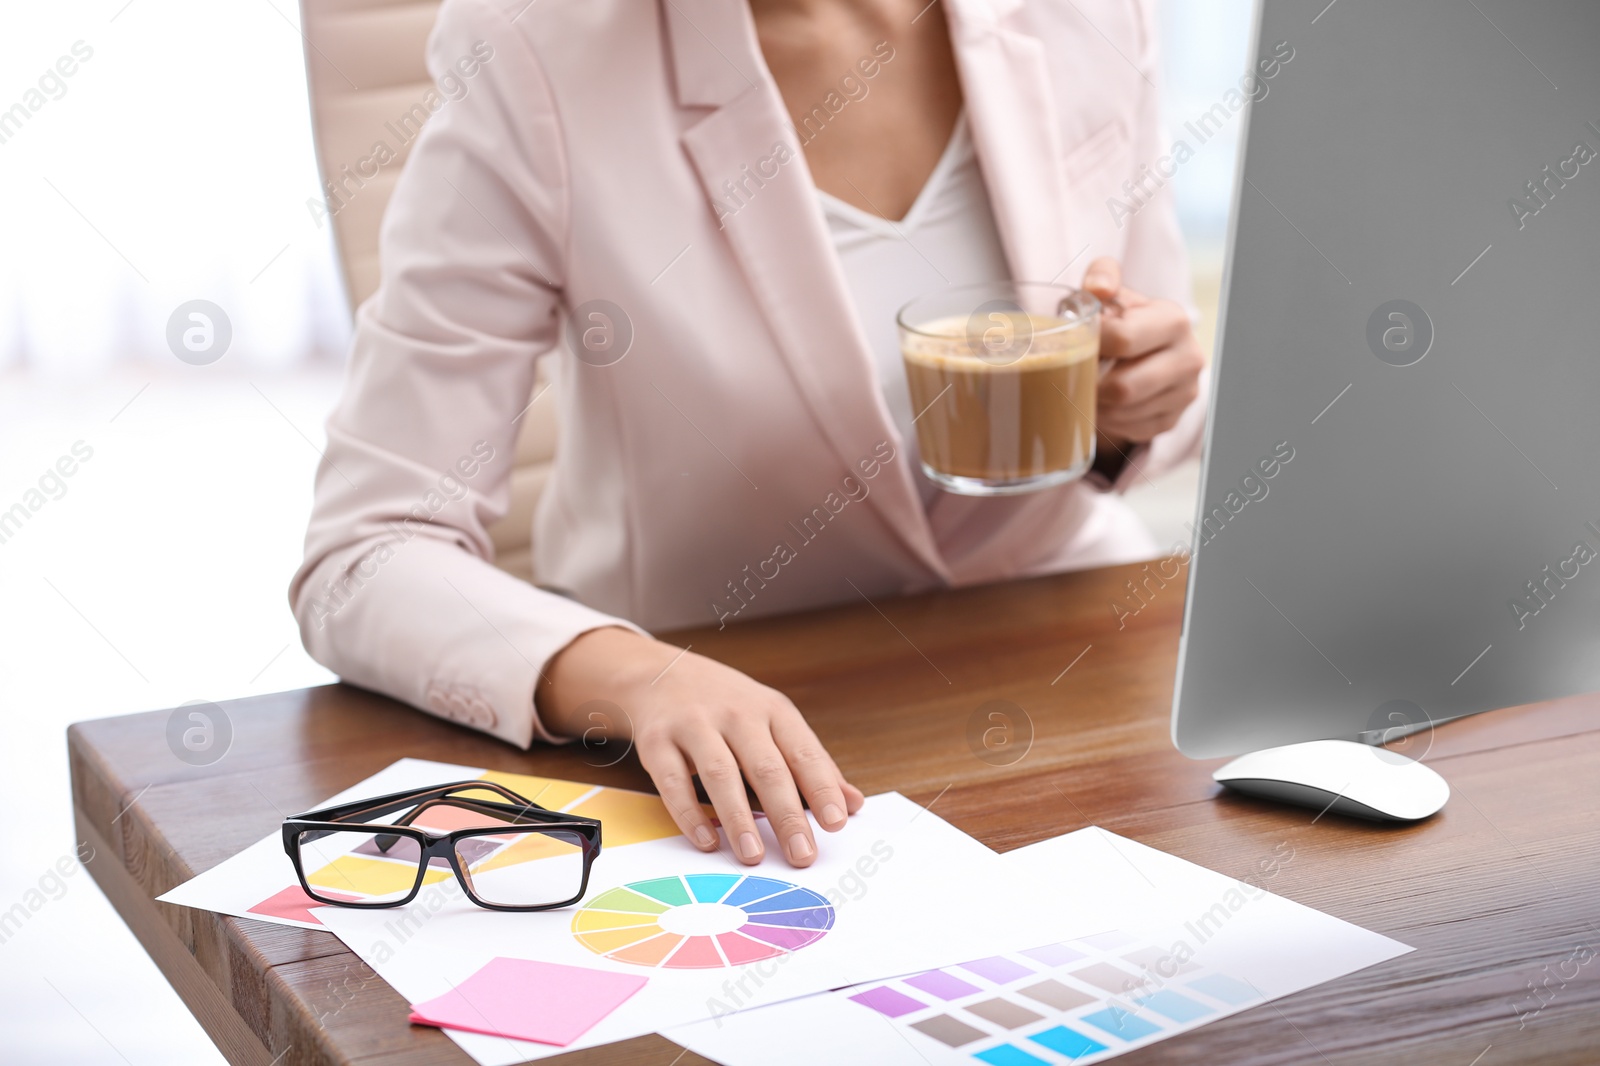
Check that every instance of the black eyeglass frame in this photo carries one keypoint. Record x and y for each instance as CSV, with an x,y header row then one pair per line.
x,y
313,825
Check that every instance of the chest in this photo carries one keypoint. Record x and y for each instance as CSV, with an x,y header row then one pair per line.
x,y
873,104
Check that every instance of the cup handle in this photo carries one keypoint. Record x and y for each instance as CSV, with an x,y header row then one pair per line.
x,y
1112,304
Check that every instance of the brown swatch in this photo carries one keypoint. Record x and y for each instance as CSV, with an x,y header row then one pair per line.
x,y
949,1031
1003,1012
1057,995
1106,976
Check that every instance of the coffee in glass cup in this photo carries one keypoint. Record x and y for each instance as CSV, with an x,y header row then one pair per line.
x,y
1002,378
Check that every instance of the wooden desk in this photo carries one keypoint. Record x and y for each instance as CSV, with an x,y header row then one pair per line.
x,y
1497,892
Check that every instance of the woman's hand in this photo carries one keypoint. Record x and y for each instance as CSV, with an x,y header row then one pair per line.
x,y
1156,359
691,715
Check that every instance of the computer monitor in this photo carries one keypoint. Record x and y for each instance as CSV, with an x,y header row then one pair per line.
x,y
1399,514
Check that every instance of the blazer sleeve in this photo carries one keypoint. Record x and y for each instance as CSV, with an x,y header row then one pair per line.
x,y
1156,262
398,591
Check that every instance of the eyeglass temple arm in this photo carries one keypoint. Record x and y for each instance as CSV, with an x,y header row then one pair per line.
x,y
516,814
506,811
378,806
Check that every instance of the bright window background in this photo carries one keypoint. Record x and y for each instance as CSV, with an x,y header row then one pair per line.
x,y
1204,49
173,165
177,165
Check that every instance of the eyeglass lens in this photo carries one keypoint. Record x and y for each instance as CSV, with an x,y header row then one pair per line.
x,y
518,866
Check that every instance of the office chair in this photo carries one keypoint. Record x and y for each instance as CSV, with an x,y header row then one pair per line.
x,y
365,68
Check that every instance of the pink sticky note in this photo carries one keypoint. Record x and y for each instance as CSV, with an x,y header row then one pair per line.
x,y
294,904
526,1000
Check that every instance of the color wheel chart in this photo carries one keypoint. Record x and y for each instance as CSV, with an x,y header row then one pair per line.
x,y
1080,1001
702,921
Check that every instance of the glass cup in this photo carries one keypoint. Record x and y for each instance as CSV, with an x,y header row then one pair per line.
x,y
1002,378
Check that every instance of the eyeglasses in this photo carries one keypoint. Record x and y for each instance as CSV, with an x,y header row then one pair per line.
x,y
510,854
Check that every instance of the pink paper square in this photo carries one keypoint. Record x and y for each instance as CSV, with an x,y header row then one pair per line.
x,y
545,1002
294,904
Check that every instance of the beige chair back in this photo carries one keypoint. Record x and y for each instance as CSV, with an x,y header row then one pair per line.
x,y
365,67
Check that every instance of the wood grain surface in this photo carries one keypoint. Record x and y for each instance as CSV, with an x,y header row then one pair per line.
x,y
1496,893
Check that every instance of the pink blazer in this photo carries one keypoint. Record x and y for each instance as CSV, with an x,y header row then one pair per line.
x,y
739,460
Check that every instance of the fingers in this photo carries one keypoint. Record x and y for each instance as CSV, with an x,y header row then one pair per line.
x,y
1104,278
1142,431
1140,424
768,773
1139,418
666,767
724,783
1168,401
1156,375
1135,382
727,729
1164,408
1142,329
814,771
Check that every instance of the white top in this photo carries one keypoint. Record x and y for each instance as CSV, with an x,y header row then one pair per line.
x,y
947,238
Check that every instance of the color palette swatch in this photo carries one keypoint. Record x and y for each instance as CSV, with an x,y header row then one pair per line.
x,y
1081,1001
702,921
293,903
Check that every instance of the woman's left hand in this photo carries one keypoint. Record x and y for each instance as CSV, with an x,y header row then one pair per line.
x,y
1156,359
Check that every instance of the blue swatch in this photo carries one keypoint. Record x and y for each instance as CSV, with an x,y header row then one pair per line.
x,y
708,888
1221,986
1121,1023
753,888
792,900
1009,1055
1171,1005
1068,1042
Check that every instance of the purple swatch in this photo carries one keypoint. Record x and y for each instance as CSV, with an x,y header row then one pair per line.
x,y
1054,954
815,918
886,1000
941,984
781,936
997,969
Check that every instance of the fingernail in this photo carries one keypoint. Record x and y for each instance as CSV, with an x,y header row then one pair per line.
x,y
749,846
703,837
800,847
832,813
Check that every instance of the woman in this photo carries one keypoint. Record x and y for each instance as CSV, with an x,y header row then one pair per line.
x,y
699,195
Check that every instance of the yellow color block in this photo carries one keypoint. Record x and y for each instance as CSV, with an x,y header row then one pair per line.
x,y
649,952
603,941
628,817
372,877
586,921
532,846
545,791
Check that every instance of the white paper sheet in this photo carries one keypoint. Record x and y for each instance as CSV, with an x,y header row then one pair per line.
x,y
904,891
263,870
1188,946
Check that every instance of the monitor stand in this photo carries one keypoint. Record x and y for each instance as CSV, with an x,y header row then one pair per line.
x,y
1343,776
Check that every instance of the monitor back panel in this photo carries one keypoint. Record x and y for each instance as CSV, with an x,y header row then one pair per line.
x,y
1400,508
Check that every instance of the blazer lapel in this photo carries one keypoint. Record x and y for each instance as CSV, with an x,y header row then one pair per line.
x,y
755,177
1016,132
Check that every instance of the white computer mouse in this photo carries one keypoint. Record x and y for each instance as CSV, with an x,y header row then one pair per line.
x,y
1342,776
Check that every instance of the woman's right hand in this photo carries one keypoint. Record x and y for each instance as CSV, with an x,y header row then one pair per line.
x,y
691,715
